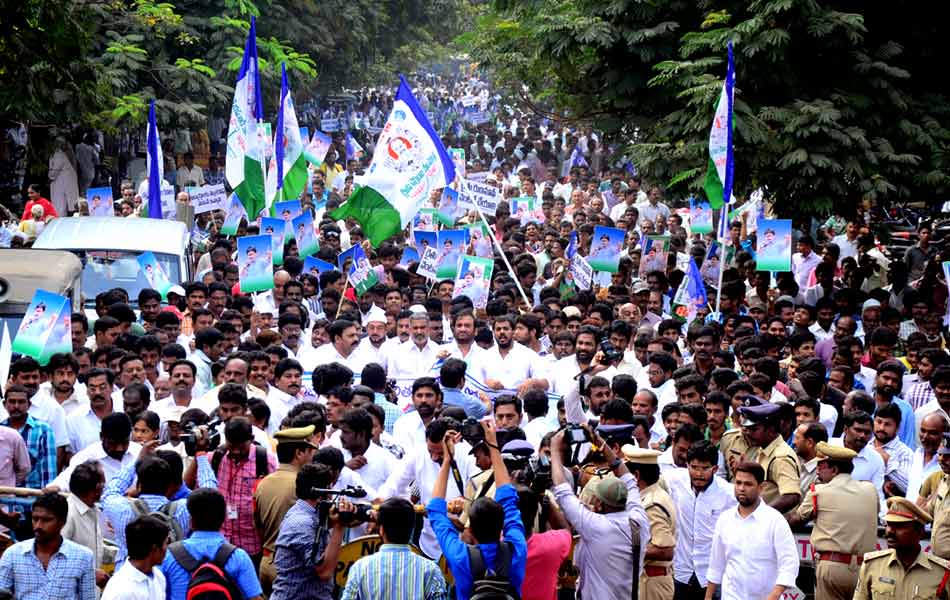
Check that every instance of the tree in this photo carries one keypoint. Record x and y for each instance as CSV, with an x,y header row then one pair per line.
x,y
831,105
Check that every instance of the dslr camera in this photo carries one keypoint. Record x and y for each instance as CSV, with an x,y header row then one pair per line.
x,y
361,513
612,355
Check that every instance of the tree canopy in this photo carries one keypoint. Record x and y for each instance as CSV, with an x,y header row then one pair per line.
x,y
835,101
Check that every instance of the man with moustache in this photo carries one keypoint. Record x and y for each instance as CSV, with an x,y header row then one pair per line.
x,y
416,356
887,386
753,554
564,371
344,339
514,365
409,430
373,347
463,346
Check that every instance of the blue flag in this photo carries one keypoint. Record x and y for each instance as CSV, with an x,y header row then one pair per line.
x,y
730,101
691,295
571,246
155,166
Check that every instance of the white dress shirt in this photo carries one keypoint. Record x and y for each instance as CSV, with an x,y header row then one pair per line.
x,y
129,583
366,353
919,472
410,432
418,466
696,516
75,400
751,555
409,362
900,458
477,359
311,358
379,465
83,427
110,465
521,363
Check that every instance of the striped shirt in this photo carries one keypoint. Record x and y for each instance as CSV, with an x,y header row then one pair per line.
x,y
237,480
41,446
70,574
395,572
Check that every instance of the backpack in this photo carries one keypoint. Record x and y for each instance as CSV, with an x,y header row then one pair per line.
x,y
488,584
209,580
260,461
166,514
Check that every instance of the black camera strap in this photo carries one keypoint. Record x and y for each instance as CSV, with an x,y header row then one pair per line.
x,y
486,486
457,476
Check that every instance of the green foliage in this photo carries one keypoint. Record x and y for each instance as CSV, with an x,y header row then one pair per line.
x,y
832,105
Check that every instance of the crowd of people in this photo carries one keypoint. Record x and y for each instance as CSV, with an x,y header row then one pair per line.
x,y
212,441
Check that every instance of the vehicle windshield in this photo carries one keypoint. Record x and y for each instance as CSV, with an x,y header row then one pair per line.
x,y
103,270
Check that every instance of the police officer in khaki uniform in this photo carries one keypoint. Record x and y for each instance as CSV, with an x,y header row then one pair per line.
x,y
760,427
656,582
905,571
845,512
276,493
939,506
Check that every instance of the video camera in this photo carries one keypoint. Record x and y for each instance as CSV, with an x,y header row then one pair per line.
x,y
362,511
536,474
190,436
611,353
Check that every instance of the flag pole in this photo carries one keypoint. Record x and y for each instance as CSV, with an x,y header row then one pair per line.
x,y
497,244
723,215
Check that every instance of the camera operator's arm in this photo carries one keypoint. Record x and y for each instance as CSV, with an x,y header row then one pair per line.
x,y
579,516
454,549
497,463
326,565
199,473
442,480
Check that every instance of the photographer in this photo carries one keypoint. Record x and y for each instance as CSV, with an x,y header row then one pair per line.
x,y
488,520
604,554
308,547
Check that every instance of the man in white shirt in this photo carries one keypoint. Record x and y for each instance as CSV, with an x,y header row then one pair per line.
x,y
371,462
83,520
753,553
700,498
464,348
409,431
372,348
84,424
139,577
422,464
114,451
415,357
848,241
344,339
653,207
514,366
804,261
189,174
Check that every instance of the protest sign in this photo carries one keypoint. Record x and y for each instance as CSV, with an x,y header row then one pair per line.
x,y
700,217
458,157
479,240
424,239
409,256
479,194
154,273
169,210
449,206
361,275
605,249
275,229
100,202
344,259
428,261
432,215
39,322
232,218
424,220
773,248
255,263
330,125
314,266
208,197
581,272
527,209
307,243
450,245
473,279
711,265
656,249
288,211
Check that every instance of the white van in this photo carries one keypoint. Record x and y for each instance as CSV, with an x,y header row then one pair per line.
x,y
109,248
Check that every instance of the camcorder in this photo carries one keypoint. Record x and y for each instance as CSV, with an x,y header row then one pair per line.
x,y
361,513
472,432
190,436
536,474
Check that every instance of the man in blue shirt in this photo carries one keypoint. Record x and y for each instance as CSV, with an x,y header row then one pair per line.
x,y
208,509
452,378
485,520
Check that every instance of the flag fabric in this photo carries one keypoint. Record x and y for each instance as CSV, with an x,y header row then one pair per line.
x,y
244,167
290,162
576,160
719,174
408,164
155,166
629,168
571,249
690,296
318,147
353,149
6,352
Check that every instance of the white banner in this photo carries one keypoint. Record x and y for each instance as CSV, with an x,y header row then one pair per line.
x,y
582,272
474,193
427,263
168,202
208,198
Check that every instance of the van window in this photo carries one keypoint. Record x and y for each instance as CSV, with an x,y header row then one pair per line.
x,y
103,270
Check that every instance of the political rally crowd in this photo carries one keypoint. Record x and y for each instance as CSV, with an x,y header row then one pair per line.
x,y
215,443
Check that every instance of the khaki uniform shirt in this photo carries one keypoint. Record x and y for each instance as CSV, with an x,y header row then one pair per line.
x,y
273,497
734,448
809,471
846,515
939,507
882,577
661,511
781,470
